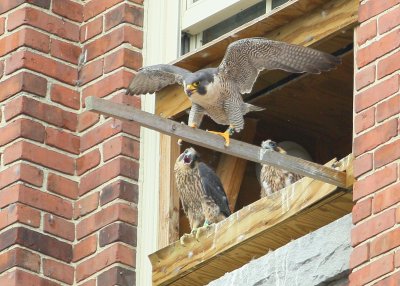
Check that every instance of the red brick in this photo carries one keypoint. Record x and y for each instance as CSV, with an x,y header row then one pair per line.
x,y
116,275
114,82
363,164
47,113
85,248
36,241
19,213
23,150
116,253
361,210
2,25
375,137
21,258
19,277
386,198
37,199
387,153
375,50
117,167
376,93
359,255
120,190
96,7
40,19
107,215
112,40
91,29
372,271
90,71
10,4
47,66
385,242
118,232
106,130
21,172
65,96
365,32
372,8
365,77
389,20
68,9
87,119
392,280
1,69
120,146
123,58
22,128
374,182
364,120
25,38
65,51
389,65
87,161
59,227
58,271
388,108
23,81
62,140
124,14
397,259
86,205
373,226
62,186
131,100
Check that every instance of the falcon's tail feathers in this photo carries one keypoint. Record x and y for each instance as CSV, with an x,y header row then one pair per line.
x,y
251,107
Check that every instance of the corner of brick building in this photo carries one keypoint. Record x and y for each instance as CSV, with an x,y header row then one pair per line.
x,y
375,259
68,178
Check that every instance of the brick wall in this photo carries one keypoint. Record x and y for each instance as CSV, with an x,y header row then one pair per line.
x,y
68,178
376,216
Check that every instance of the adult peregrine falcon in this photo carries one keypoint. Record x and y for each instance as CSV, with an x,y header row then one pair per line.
x,y
202,195
273,179
217,92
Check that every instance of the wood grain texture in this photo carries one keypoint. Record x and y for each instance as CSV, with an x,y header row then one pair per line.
x,y
252,231
231,169
302,22
168,228
205,139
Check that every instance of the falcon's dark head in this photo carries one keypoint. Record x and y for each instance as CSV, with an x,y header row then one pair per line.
x,y
198,81
272,146
189,157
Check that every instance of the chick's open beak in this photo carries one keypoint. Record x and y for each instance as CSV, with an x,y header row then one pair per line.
x,y
190,89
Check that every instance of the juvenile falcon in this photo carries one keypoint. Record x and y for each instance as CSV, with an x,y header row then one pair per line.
x,y
200,190
273,179
217,92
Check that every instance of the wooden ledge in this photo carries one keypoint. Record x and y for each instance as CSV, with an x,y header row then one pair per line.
x,y
252,231
208,140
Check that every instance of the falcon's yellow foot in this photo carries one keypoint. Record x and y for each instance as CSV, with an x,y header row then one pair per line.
x,y
183,238
229,132
201,229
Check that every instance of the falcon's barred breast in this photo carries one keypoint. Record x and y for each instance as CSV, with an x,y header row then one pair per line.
x,y
200,190
218,91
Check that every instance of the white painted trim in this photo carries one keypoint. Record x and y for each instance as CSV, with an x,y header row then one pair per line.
x,y
206,13
161,45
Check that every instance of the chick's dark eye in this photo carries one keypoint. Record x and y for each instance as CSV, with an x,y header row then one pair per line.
x,y
272,144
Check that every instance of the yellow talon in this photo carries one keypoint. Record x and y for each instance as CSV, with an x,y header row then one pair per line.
x,y
225,134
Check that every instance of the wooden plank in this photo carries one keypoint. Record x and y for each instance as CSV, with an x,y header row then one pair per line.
x,y
205,139
294,22
231,169
168,231
250,232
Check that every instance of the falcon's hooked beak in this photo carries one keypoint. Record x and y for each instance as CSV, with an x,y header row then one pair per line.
x,y
190,88
188,157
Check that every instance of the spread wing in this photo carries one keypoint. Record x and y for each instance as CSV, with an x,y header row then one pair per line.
x,y
213,188
245,58
153,78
